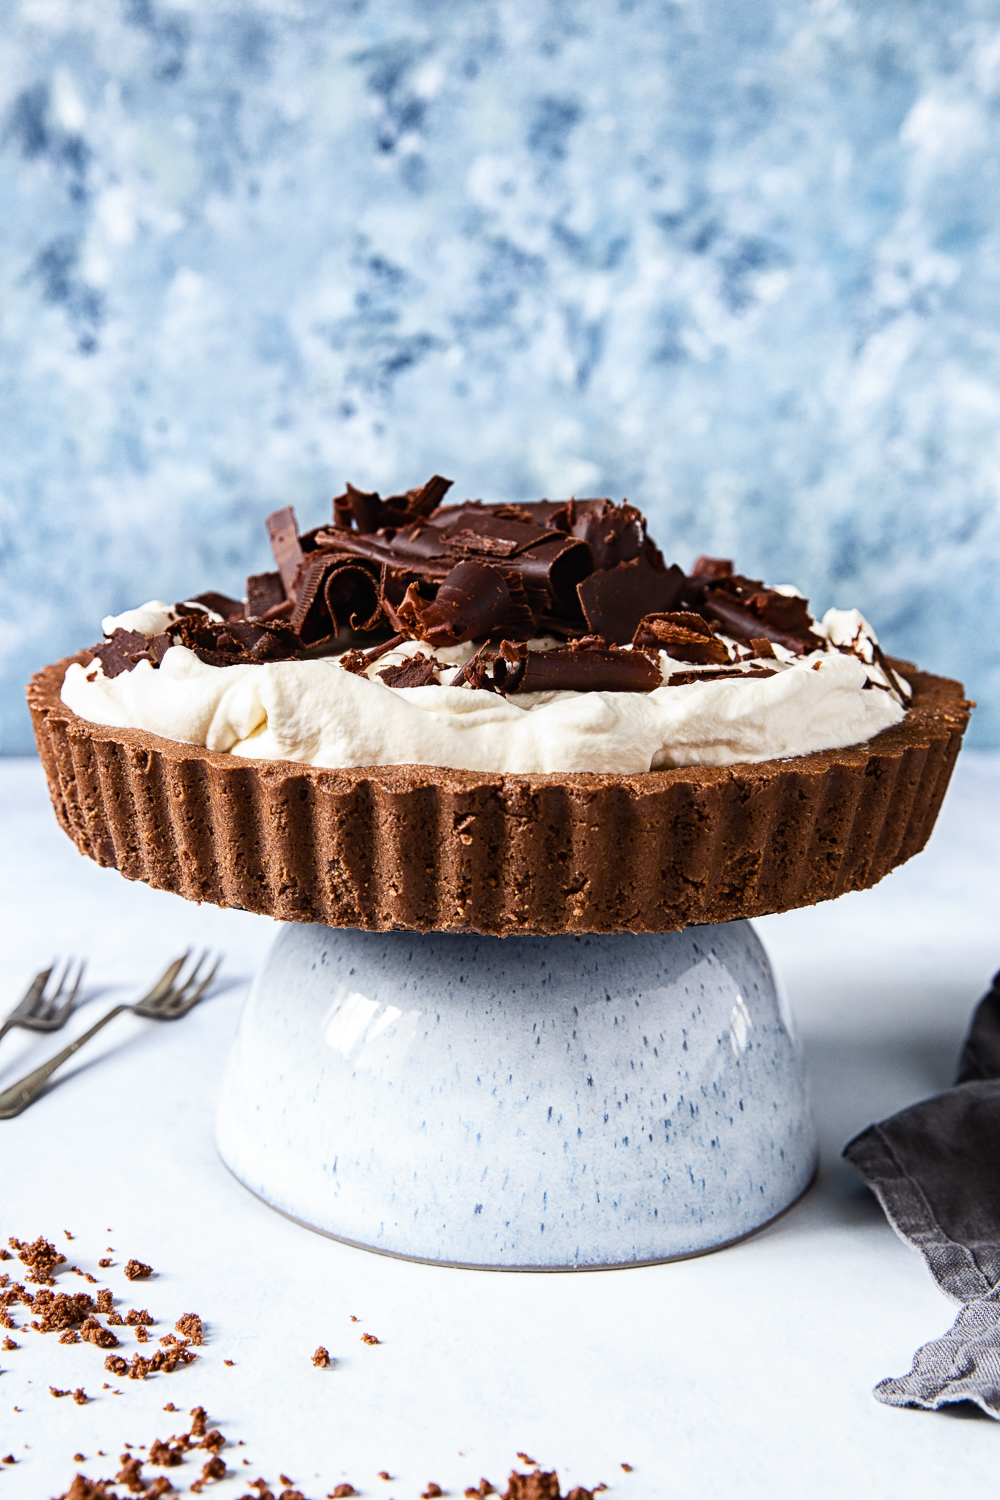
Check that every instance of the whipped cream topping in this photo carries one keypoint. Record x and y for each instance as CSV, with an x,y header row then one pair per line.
x,y
316,713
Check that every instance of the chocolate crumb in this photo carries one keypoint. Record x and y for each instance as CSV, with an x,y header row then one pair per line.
x,y
56,1392
170,1406
68,1235
369,1338
285,1479
130,1474
5,1255
69,1336
213,1440
165,1456
354,1319
321,1359
137,1270
104,1263
115,1319
526,1460
291,1495
627,1468
142,1337
80,1396
341,1491
138,1315
41,1258
483,1488
228,1362
190,1325
199,1424
105,1302
92,1333
8,1343
116,1364
78,1458
431,1492
384,1474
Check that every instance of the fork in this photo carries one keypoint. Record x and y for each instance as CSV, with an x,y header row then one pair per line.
x,y
41,1014
168,1000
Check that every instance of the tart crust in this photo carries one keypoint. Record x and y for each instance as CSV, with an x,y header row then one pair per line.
x,y
432,849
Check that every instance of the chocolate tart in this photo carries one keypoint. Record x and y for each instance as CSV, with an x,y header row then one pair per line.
x,y
431,849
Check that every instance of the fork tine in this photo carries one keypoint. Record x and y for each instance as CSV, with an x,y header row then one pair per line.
x,y
165,983
29,1005
57,1005
184,1000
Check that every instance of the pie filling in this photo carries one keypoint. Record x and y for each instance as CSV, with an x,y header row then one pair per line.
x,y
512,638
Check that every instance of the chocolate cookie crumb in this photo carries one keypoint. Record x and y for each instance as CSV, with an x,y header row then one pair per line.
x,y
369,1338
130,1474
627,1468
80,1396
199,1425
137,1270
484,1488
56,1392
341,1491
321,1359
228,1361
384,1474
142,1337
78,1458
190,1325
104,1263
431,1492
116,1364
8,1343
526,1460
105,1302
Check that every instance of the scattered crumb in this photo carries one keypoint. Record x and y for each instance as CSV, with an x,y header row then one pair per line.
x,y
369,1338
116,1364
5,1255
341,1491
105,1301
137,1270
10,1459
484,1488
228,1361
190,1326
170,1406
285,1479
627,1468
8,1343
115,1319
56,1392
431,1492
41,1258
354,1319
384,1474
199,1425
130,1474
68,1235
105,1263
78,1458
80,1396
321,1359
526,1460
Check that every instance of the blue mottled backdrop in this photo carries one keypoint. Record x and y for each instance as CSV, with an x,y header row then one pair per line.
x,y
738,260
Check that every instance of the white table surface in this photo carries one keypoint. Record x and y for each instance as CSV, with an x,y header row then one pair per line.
x,y
745,1373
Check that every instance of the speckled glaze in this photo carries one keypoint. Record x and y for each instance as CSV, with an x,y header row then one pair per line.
x,y
519,1102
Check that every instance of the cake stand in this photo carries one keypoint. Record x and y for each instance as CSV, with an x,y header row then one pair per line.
x,y
511,1021
539,1103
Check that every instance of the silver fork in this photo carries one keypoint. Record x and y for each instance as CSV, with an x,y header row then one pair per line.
x,y
168,1000
46,1013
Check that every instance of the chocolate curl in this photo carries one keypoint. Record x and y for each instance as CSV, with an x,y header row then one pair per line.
x,y
358,662
712,567
594,669
615,533
265,592
762,614
685,679
334,590
235,642
371,513
614,602
470,602
284,534
684,636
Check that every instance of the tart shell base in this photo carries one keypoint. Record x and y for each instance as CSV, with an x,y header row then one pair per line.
x,y
432,849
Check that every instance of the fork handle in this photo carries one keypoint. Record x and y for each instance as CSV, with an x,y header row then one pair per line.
x,y
27,1089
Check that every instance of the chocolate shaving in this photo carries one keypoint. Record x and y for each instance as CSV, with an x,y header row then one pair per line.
x,y
615,533
282,530
371,513
748,610
472,599
684,679
265,592
416,671
712,567
219,604
683,636
614,602
359,661
124,650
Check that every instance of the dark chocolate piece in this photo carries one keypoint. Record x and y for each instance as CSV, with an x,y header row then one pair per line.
x,y
370,512
685,679
219,604
335,591
121,651
615,601
417,671
594,670
282,530
684,636
472,600
748,610
615,533
712,567
264,592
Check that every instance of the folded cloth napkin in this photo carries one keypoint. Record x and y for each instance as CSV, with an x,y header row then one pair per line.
x,y
935,1169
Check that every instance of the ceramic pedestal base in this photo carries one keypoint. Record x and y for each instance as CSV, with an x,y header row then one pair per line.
x,y
530,1103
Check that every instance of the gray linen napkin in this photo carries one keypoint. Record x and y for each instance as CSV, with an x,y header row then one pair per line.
x,y
935,1169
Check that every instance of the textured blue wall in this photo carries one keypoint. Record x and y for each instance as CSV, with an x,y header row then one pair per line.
x,y
738,260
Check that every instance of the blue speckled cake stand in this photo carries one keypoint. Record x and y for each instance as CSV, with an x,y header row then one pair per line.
x,y
519,1103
